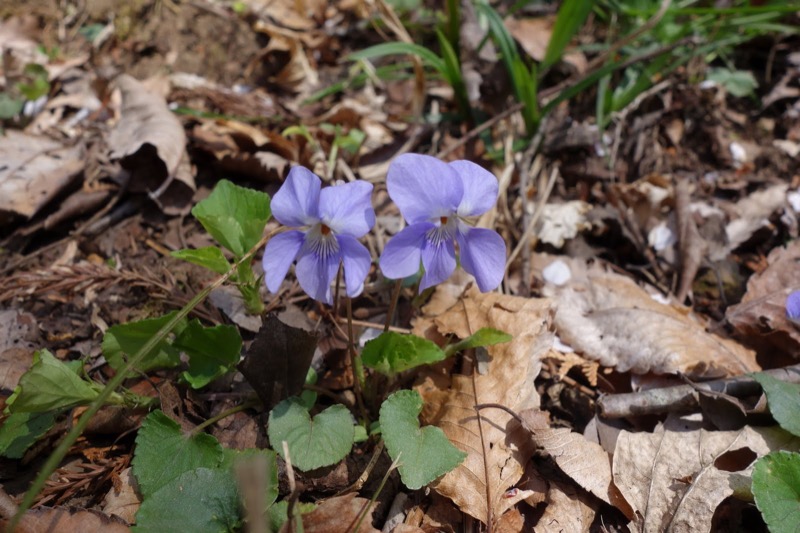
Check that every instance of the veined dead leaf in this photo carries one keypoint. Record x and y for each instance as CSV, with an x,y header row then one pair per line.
x,y
585,462
761,315
499,446
63,519
754,211
607,317
675,477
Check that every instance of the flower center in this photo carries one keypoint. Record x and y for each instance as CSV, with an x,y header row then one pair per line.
x,y
321,240
325,230
443,220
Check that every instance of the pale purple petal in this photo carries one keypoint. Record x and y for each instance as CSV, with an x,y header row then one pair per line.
x,y
315,273
423,187
483,254
480,188
279,254
793,306
297,201
439,261
356,261
347,209
403,252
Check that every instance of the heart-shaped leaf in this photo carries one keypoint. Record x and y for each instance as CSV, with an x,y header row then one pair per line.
x,y
163,453
313,443
424,453
776,488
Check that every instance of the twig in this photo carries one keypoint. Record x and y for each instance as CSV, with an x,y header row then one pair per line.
x,y
683,398
356,486
523,241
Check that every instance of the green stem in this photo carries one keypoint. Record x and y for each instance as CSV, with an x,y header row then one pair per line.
x,y
63,447
248,287
398,285
359,380
224,414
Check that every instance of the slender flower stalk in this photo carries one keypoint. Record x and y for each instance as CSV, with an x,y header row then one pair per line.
x,y
330,221
436,199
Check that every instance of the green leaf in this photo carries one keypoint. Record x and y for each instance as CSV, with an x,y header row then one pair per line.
x,y
424,453
482,337
9,106
323,441
391,352
202,500
571,16
212,351
235,216
20,430
739,83
776,487
386,49
783,400
50,385
127,339
163,453
209,257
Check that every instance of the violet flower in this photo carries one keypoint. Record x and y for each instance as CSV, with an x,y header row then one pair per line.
x,y
435,198
331,220
793,307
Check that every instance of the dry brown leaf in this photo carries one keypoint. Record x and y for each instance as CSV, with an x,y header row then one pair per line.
x,y
761,315
511,522
607,317
150,143
566,510
585,462
62,519
34,170
508,380
122,500
675,477
340,515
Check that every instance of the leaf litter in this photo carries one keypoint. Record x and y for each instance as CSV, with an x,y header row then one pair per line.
x,y
675,225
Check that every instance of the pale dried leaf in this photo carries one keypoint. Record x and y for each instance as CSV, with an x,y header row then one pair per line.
x,y
122,500
566,510
340,515
761,315
34,170
508,380
676,477
753,212
561,222
607,317
532,34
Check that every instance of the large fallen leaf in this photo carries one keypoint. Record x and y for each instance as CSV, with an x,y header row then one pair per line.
x,y
150,143
760,318
607,317
675,477
507,380
34,170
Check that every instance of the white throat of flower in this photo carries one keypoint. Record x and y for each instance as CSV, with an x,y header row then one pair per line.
x,y
321,240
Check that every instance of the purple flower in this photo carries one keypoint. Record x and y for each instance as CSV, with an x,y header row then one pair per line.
x,y
435,198
332,219
793,307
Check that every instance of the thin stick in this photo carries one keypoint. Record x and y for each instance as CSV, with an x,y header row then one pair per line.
x,y
398,285
523,241
224,414
293,492
63,447
684,398
374,497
